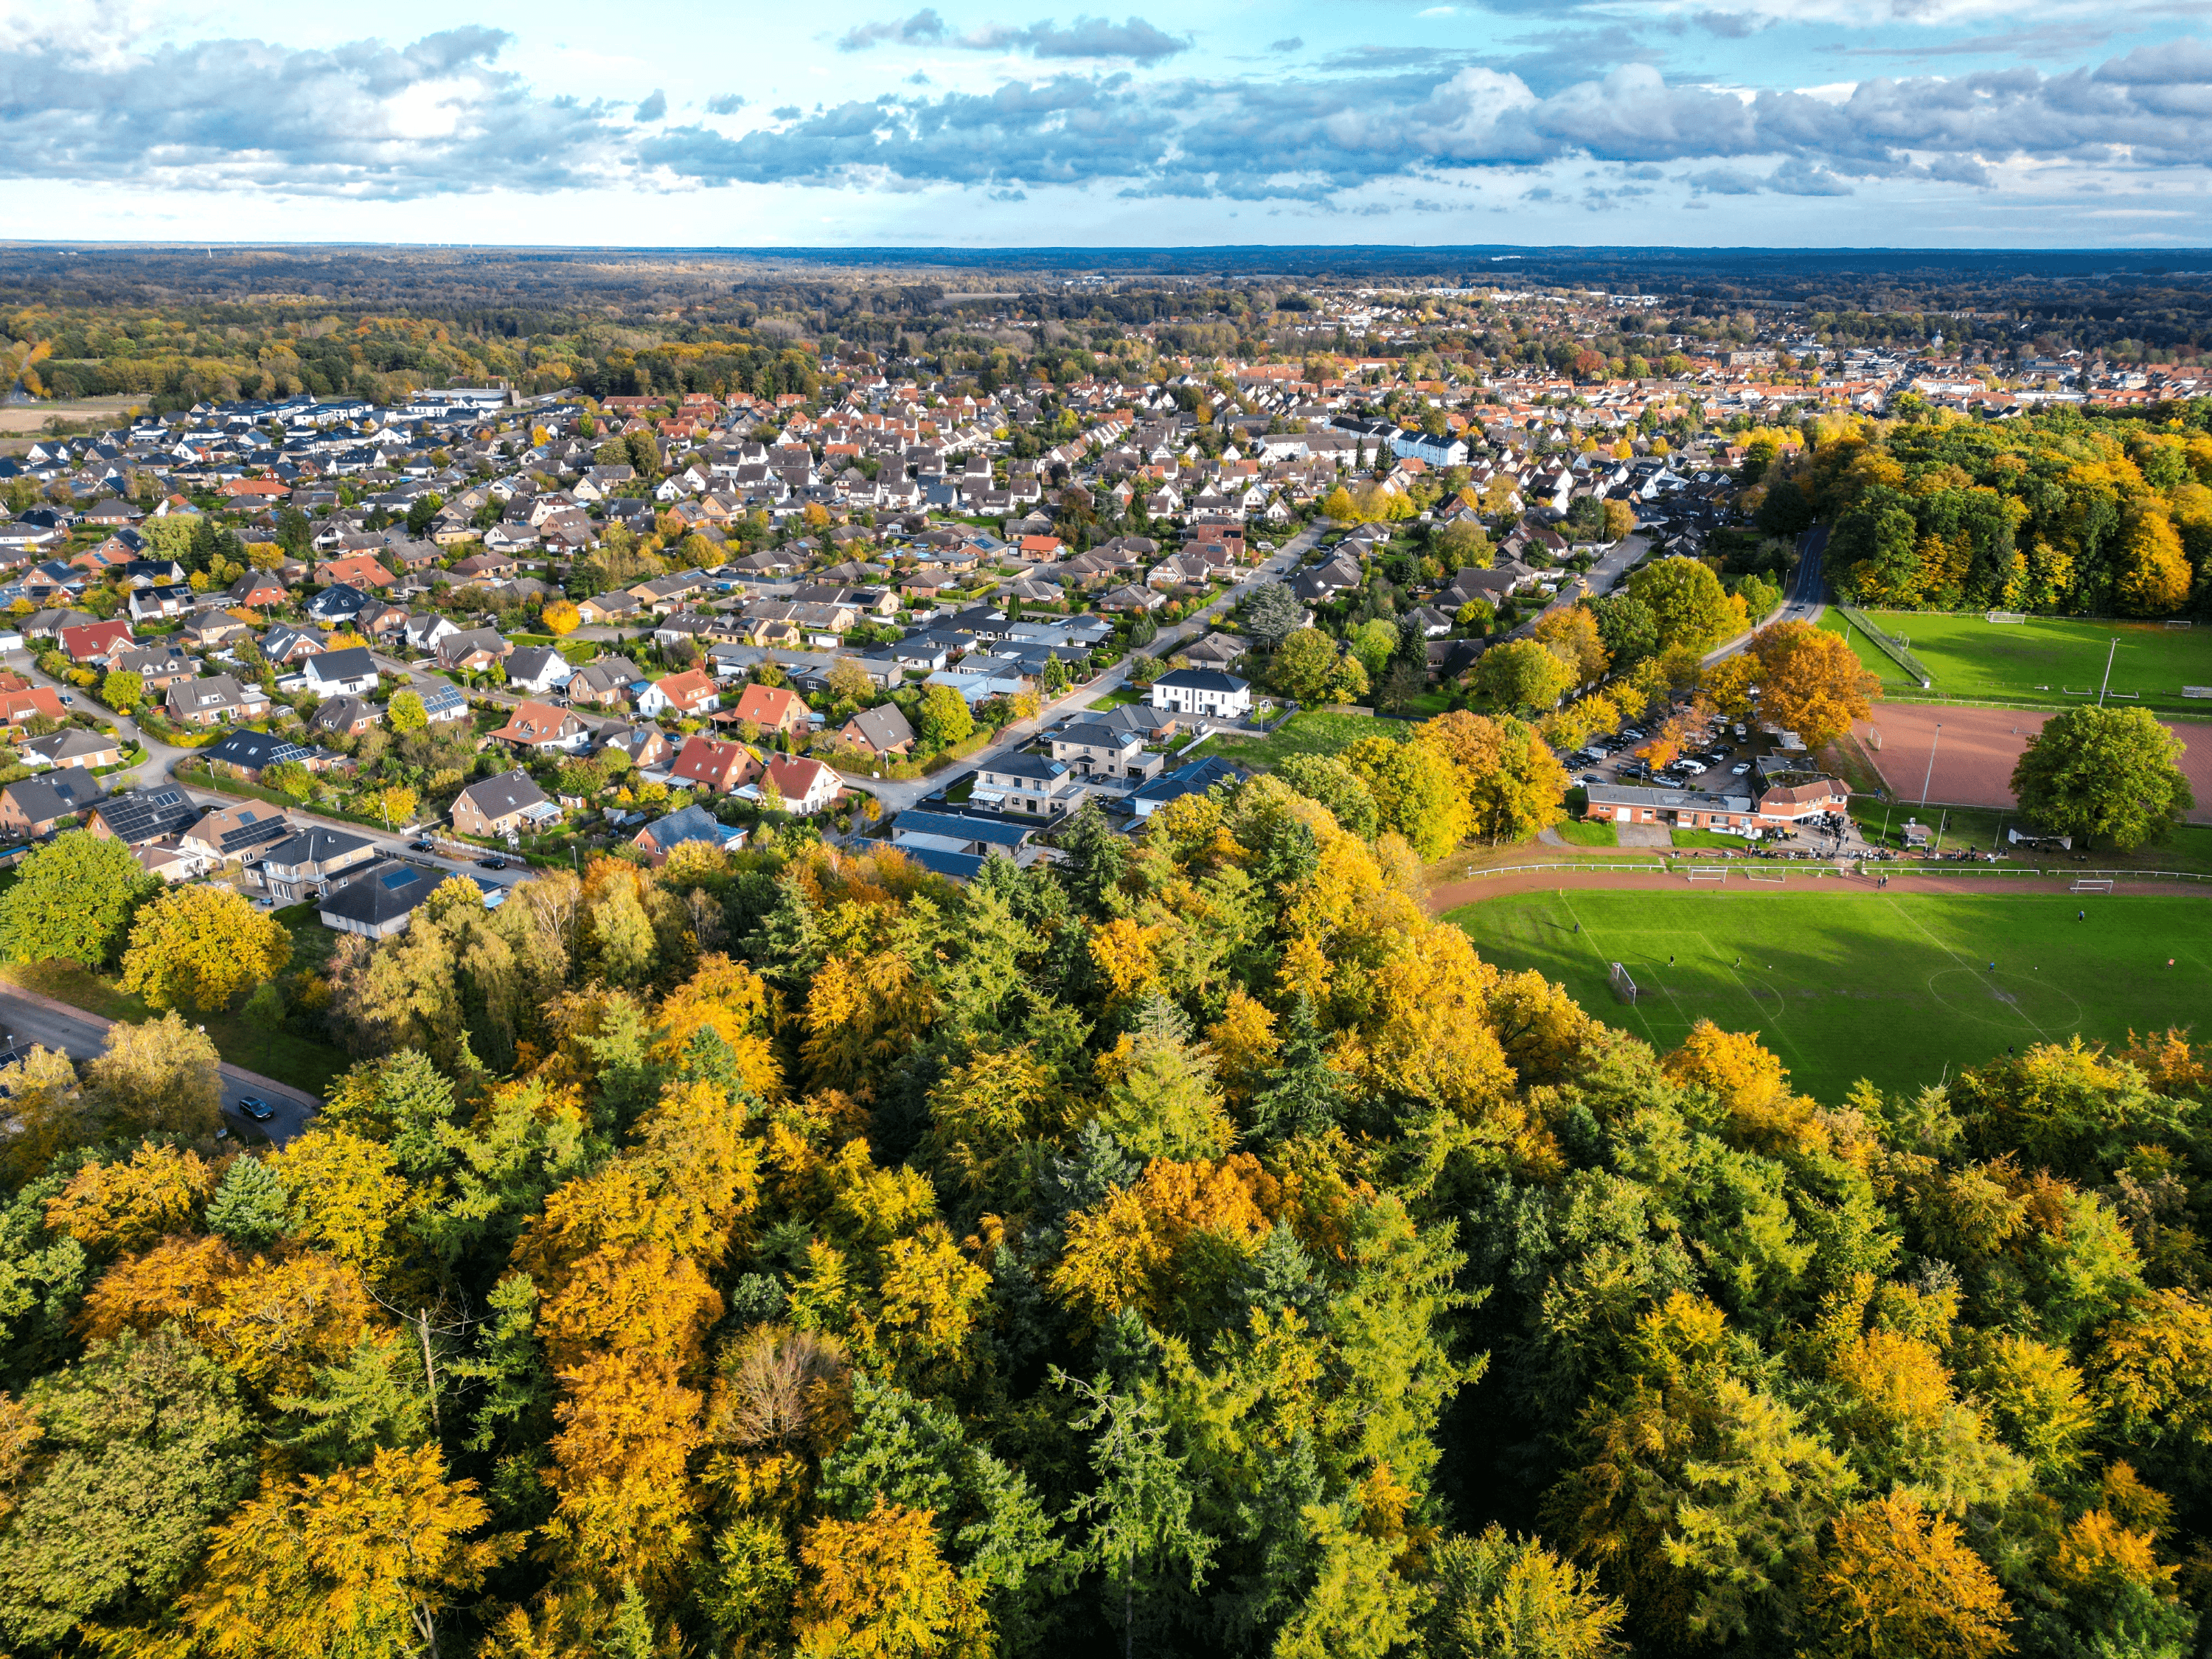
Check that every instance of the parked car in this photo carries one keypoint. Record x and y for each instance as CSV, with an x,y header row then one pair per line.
x,y
421,847
1739,768
257,1108
491,863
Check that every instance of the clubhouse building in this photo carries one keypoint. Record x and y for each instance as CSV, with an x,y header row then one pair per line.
x,y
1775,806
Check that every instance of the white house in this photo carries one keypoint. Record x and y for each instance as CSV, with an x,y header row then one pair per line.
x,y
1208,691
332,673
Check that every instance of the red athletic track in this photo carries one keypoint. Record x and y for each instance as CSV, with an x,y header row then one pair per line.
x,y
1977,751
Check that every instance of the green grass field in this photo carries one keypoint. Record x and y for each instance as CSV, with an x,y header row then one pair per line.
x,y
1310,731
2034,661
1896,989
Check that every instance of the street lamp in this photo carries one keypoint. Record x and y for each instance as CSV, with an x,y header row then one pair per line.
x,y
1929,779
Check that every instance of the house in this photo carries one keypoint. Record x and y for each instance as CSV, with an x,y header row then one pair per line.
x,y
250,754
339,605
284,644
344,715
32,806
216,698
646,745
213,628
773,709
472,650
142,816
1035,785
241,833
691,692
423,631
714,764
883,731
1095,751
1195,779
353,670
31,703
538,668
70,748
256,590
362,570
1203,691
609,607
311,862
806,786
444,703
605,681
94,642
538,726
159,665
694,824
377,900
956,844
504,805
160,604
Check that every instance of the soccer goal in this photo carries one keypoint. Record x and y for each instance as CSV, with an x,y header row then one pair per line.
x,y
1706,875
1623,986
2180,622
2092,884
1772,877
2006,617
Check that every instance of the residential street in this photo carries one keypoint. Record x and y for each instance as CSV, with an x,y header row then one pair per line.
x,y
896,795
26,1019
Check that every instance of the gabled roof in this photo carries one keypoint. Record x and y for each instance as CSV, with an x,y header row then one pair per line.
x,y
55,795
510,791
315,845
145,814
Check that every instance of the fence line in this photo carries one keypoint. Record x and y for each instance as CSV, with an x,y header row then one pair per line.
x,y
1889,648
1787,866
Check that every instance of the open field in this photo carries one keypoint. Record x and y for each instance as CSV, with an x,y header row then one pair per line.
x,y
2037,660
1888,986
28,420
1311,732
1978,748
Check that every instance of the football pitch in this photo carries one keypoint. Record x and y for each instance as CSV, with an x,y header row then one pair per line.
x,y
1895,988
2040,660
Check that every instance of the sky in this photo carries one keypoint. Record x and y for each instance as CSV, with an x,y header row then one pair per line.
x,y
1783,123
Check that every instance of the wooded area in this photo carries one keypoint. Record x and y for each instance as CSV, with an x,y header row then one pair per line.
x,y
1194,1249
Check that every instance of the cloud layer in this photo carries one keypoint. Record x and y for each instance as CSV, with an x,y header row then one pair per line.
x,y
365,119
83,101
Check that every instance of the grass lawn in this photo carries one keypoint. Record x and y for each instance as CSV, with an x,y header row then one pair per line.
x,y
1891,988
1707,838
1311,732
1120,698
2035,661
286,1056
1592,832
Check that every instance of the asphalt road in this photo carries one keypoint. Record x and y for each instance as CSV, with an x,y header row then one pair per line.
x,y
80,1036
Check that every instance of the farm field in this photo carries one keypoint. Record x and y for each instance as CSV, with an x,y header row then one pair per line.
x,y
2036,661
1840,987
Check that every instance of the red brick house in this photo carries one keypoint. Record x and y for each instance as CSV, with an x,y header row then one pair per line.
x,y
714,764
773,709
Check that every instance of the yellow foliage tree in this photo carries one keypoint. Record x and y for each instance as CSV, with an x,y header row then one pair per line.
x,y
110,1208
202,947
365,1560
1751,1084
879,1587
348,1196
561,616
1898,1581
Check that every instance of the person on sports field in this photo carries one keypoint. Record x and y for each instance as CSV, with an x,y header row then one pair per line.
x,y
2081,916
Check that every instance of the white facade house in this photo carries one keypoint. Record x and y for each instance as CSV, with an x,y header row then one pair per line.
x,y
1203,691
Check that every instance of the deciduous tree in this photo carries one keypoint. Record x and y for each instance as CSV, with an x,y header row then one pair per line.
x,y
2104,772
73,900
200,947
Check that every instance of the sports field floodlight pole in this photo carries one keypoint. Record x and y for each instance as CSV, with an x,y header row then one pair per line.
x,y
1927,782
2101,690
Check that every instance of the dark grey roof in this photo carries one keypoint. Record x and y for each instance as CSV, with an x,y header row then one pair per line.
x,y
1194,778
510,791
996,832
253,830
1200,679
255,749
315,845
385,891
342,664
56,795
145,814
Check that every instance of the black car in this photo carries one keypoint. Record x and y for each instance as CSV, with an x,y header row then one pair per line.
x,y
257,1108
421,847
491,863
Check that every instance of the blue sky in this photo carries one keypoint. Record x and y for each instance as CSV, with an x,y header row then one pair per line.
x,y
1934,123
